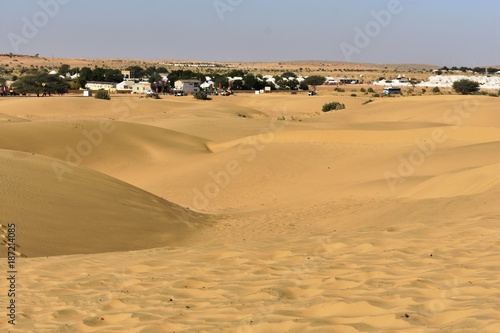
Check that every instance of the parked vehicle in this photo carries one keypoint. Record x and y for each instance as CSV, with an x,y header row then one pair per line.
x,y
312,93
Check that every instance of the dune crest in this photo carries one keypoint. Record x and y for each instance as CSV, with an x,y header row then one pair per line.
x,y
87,212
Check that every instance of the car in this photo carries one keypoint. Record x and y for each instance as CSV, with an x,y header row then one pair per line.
x,y
312,93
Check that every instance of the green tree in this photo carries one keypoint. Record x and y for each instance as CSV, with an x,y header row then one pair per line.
x,y
136,71
63,69
287,84
220,81
315,80
252,82
413,82
289,74
237,84
492,70
154,78
151,70
41,84
113,75
98,74
161,70
466,86
85,76
304,86
480,70
236,72
185,75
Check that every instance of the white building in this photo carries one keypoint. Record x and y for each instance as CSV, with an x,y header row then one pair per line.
x,y
187,86
127,86
331,80
141,87
486,82
97,85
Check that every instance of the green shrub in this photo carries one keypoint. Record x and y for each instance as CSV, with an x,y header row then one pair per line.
x,y
492,94
466,86
362,90
102,94
353,95
201,95
376,95
339,89
333,106
370,90
367,101
436,90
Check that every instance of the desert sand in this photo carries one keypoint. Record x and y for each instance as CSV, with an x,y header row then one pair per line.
x,y
252,214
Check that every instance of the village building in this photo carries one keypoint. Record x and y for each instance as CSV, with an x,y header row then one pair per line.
x,y
187,86
98,85
125,86
141,87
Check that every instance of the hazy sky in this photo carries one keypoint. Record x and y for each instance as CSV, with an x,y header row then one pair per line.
x,y
439,32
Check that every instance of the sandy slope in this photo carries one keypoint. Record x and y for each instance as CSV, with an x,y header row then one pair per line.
x,y
378,218
95,213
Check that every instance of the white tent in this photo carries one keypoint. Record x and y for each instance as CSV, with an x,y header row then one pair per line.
x,y
206,84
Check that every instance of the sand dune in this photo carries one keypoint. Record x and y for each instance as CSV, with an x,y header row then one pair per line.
x,y
378,218
87,212
471,181
7,119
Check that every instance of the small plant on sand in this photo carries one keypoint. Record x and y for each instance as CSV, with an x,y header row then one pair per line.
x,y
353,95
466,86
153,96
201,95
333,106
376,95
339,89
102,94
370,90
362,90
367,101
436,90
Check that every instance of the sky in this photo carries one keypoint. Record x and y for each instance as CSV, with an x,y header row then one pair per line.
x,y
434,32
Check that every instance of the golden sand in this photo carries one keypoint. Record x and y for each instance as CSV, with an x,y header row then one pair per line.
x,y
252,214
